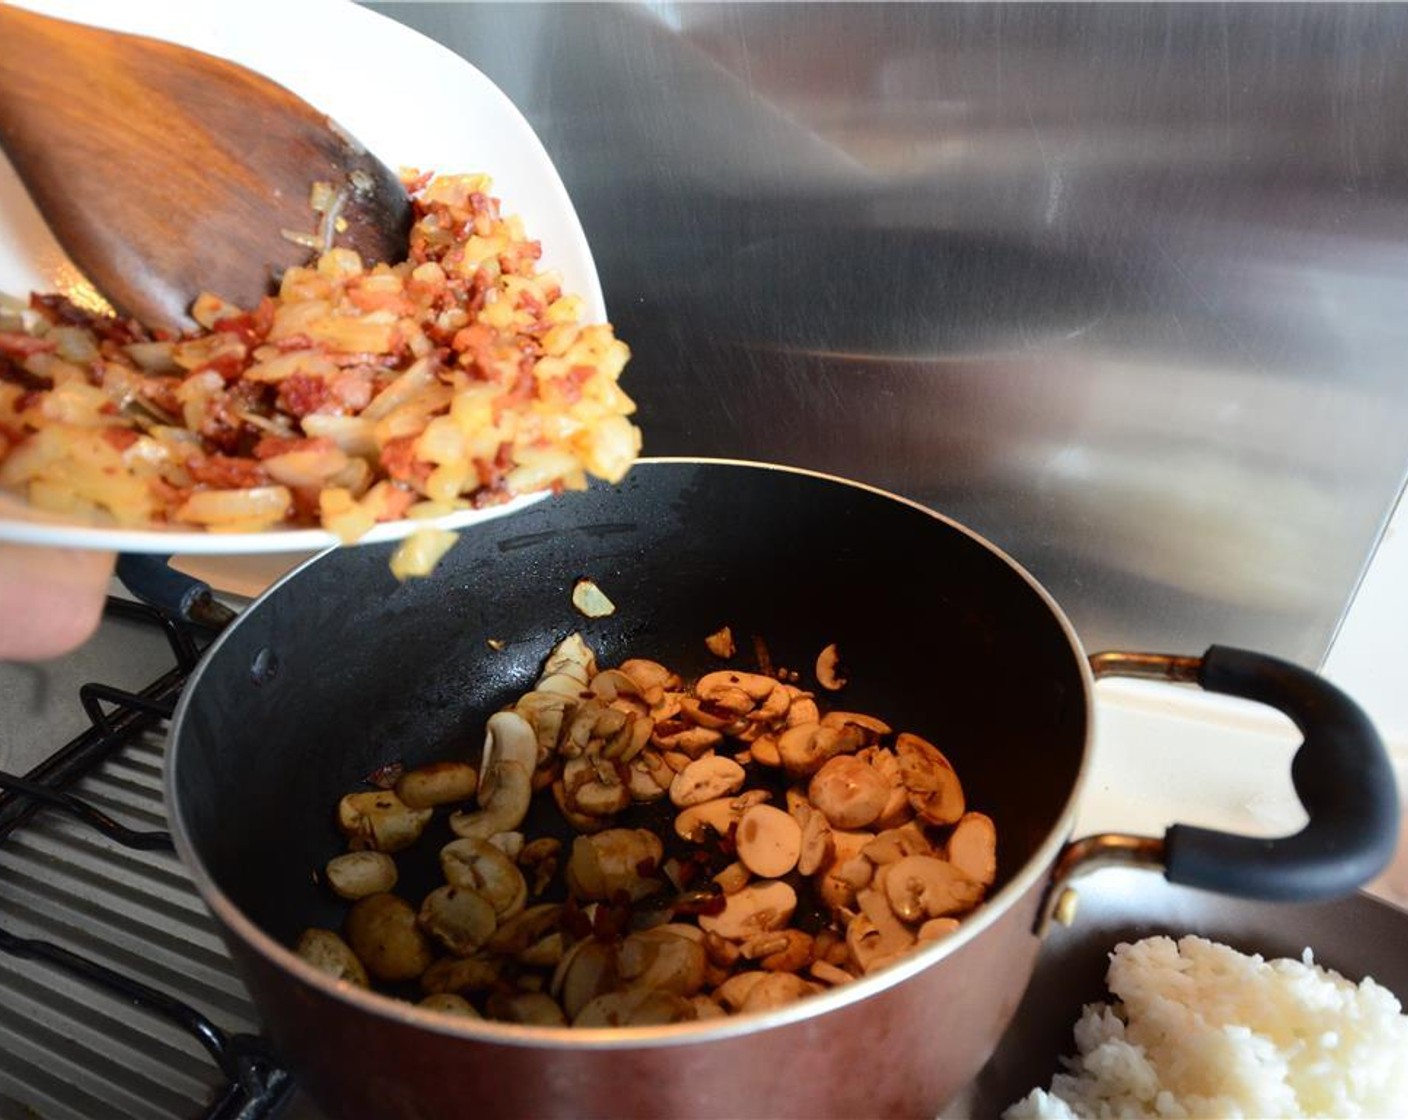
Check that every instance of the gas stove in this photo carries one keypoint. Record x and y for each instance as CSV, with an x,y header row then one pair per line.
x,y
119,997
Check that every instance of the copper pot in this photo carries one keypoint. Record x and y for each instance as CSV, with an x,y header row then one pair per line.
x,y
338,670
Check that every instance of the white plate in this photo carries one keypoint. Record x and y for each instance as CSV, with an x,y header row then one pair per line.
x,y
407,98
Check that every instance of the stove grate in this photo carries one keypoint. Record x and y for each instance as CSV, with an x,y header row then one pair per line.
x,y
106,951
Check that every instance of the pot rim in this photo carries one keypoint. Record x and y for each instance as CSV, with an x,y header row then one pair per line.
x,y
401,1012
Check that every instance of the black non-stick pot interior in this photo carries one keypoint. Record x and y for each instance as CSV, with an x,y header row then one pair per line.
x,y
342,669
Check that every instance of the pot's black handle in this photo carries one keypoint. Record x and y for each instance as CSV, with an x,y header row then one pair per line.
x,y
1341,774
151,579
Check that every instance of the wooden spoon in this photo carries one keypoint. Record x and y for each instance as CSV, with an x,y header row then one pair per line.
x,y
164,172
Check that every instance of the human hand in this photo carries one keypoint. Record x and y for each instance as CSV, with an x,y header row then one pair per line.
x,y
50,599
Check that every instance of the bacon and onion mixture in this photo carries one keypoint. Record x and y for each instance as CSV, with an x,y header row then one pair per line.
x,y
459,378
798,848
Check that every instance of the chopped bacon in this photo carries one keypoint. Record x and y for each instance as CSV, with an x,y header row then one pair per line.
x,y
263,316
569,386
365,300
251,327
418,183
239,424
306,507
351,389
16,374
121,438
270,446
300,394
226,472
17,344
473,337
161,393
398,458
298,341
223,427
61,310
230,367
491,474
397,502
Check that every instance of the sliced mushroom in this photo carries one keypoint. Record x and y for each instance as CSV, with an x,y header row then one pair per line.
x,y
437,783
764,750
972,847
802,707
635,1008
805,748
829,973
875,729
505,786
547,713
571,657
650,676
378,820
733,992
586,971
895,843
482,868
526,928
849,793
579,728
684,737
650,776
448,1003
613,732
706,1007
510,843
870,948
541,857
732,878
594,786
327,952
769,841
711,818
676,761
702,714
836,883
758,908
662,960
816,844
897,810
935,929
785,950
355,875
920,887
706,779
934,788
610,685
382,931
618,859
777,989
828,669
459,919
744,694
532,1008
461,974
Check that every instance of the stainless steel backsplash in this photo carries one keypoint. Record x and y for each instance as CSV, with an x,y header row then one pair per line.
x,y
1123,287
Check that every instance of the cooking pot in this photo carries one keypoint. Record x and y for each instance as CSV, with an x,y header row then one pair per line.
x,y
339,670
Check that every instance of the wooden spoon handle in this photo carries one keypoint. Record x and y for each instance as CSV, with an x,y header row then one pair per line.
x,y
164,172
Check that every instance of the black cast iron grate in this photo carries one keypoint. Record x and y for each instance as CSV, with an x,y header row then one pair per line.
x,y
82,886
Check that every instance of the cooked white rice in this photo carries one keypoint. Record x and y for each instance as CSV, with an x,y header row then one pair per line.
x,y
1201,1030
